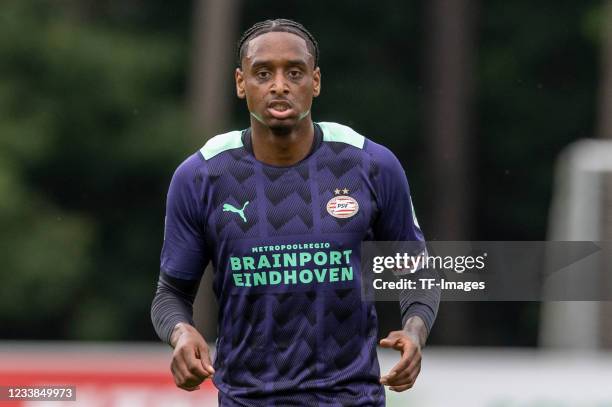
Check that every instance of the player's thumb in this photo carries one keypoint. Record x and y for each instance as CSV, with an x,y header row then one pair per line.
x,y
206,362
389,341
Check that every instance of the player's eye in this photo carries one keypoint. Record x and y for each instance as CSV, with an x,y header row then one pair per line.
x,y
263,75
295,74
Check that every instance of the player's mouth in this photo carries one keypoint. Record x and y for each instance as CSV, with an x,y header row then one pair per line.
x,y
280,109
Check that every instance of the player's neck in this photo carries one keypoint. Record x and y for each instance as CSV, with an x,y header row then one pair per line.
x,y
282,149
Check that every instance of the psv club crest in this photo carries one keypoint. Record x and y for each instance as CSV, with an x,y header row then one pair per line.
x,y
342,206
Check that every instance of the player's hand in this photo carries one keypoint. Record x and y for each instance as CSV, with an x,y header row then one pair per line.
x,y
191,363
403,375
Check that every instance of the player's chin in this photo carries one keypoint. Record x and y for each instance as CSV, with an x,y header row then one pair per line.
x,y
282,126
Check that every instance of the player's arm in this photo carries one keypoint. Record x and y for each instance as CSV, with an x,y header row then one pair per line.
x,y
397,222
183,259
172,316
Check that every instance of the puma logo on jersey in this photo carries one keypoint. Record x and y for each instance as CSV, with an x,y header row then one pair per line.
x,y
231,208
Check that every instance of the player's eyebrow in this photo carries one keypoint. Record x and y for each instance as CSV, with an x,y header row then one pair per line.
x,y
264,62
294,62
259,63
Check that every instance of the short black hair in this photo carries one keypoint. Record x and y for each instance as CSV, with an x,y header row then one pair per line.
x,y
277,25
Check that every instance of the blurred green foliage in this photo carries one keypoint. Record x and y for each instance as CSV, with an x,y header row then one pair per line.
x,y
93,121
92,126
537,76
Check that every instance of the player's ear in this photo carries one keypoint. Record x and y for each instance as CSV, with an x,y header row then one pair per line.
x,y
239,76
316,79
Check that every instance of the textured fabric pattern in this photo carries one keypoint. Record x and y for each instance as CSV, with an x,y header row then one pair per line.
x,y
293,328
288,200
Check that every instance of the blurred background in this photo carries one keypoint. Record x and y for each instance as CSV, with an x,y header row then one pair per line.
x,y
496,110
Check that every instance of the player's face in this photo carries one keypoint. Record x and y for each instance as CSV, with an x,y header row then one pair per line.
x,y
278,79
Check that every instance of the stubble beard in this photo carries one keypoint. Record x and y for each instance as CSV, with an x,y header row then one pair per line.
x,y
281,129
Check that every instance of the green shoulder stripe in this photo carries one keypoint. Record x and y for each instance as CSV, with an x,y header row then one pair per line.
x,y
221,143
342,134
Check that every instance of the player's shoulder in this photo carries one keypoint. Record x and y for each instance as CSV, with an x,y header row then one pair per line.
x,y
189,170
340,133
214,147
382,155
221,143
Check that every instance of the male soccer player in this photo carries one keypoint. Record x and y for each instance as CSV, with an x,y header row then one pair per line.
x,y
281,209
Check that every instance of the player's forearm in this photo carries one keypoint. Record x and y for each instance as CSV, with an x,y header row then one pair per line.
x,y
422,303
172,305
415,328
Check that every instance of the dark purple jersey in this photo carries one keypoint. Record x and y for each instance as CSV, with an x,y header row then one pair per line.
x,y
285,246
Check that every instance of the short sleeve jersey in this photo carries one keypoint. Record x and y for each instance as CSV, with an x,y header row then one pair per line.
x,y
285,246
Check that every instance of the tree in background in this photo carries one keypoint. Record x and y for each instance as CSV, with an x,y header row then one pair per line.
x,y
211,90
93,124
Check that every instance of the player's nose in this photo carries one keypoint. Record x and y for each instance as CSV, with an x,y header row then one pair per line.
x,y
279,84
